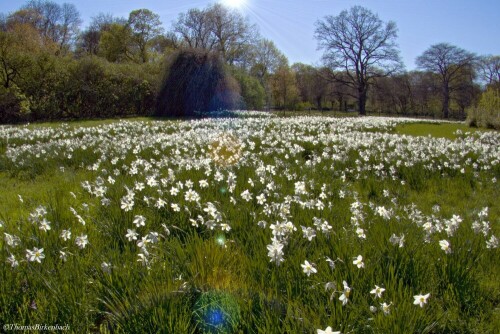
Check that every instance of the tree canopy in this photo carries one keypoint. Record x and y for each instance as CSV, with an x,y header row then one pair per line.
x,y
361,46
450,63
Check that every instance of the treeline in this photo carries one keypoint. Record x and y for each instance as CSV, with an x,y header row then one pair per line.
x,y
52,69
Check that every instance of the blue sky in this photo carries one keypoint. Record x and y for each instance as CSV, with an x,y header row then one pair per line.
x,y
472,25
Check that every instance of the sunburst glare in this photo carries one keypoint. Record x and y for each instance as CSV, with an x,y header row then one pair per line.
x,y
238,4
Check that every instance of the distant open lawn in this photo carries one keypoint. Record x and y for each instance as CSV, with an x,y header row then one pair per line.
x,y
438,130
257,224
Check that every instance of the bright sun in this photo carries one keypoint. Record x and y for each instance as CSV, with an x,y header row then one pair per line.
x,y
234,3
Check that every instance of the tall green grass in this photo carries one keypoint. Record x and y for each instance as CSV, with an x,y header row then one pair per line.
x,y
210,281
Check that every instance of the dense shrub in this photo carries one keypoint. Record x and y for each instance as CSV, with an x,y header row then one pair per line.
x,y
96,88
487,112
14,107
253,95
196,82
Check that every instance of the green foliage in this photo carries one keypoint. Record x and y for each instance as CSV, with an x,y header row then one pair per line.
x,y
253,95
487,112
115,43
304,106
14,106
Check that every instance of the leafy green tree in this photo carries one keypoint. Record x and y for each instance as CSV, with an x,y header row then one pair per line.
x,y
13,60
266,60
58,24
284,86
487,112
88,42
253,96
115,43
312,85
14,105
145,27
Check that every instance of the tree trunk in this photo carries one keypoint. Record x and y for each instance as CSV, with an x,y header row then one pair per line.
x,y
362,101
446,101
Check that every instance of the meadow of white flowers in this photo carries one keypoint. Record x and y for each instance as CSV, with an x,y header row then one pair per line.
x,y
304,222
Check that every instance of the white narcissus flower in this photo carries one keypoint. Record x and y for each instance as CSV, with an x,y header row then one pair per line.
x,y
175,207
191,196
65,235
82,241
331,263
344,298
377,291
246,195
361,233
63,255
139,221
328,330
174,191
308,233
106,267
275,251
131,235
445,245
308,268
12,261
44,225
385,308
358,261
35,255
261,199
492,243
421,299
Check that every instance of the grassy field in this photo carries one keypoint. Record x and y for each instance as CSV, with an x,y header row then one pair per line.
x,y
256,224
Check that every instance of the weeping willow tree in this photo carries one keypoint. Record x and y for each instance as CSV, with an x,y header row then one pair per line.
x,y
195,83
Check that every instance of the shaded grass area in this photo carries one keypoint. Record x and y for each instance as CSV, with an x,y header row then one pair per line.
x,y
20,193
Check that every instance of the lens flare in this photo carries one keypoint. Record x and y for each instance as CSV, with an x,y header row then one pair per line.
x,y
225,149
217,312
238,4
221,240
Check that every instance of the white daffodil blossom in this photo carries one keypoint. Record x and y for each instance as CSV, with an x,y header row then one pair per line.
x,y
445,245
308,268
35,255
344,297
421,300
377,291
385,308
327,330
358,261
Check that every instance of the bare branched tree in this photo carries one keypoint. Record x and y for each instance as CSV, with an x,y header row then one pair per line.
x,y
490,69
56,24
361,46
450,63
194,29
216,28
